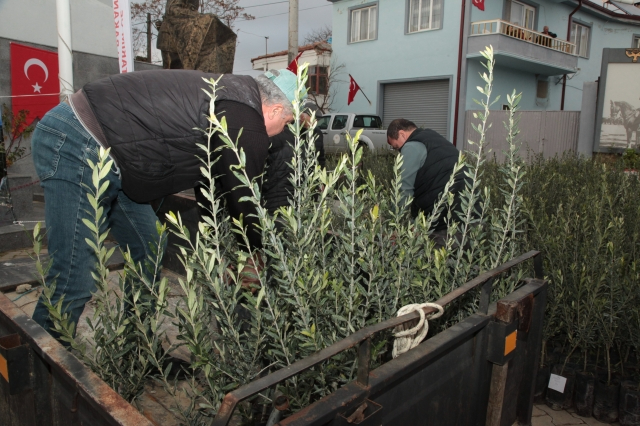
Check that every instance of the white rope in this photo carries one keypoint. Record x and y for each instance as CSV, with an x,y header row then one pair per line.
x,y
409,338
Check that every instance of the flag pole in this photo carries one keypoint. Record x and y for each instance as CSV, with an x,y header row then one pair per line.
x,y
365,96
65,54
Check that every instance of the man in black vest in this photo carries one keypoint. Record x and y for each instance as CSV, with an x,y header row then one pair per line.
x,y
428,161
149,120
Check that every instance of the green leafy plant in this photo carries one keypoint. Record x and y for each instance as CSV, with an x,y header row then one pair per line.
x,y
343,254
583,215
631,159
125,345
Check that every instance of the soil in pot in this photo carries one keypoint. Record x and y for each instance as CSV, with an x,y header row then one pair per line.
x,y
542,381
605,404
584,393
629,404
562,397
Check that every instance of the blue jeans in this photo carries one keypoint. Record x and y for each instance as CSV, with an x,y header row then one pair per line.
x,y
61,147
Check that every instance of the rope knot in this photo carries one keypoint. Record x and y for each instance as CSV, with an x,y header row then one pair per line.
x,y
408,337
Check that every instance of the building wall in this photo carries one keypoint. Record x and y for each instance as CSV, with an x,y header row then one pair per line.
x,y
604,33
34,21
394,55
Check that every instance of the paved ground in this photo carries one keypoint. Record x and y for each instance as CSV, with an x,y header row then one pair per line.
x,y
545,416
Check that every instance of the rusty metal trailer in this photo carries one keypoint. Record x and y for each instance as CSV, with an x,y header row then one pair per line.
x,y
480,371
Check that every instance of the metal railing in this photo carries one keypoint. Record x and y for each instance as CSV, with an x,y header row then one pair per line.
x,y
362,338
498,26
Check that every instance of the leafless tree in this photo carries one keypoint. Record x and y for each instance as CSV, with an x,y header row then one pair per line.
x,y
317,34
334,80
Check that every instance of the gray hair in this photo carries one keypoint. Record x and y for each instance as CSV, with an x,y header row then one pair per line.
x,y
271,94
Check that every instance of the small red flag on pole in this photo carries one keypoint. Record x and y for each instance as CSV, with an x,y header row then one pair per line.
x,y
479,4
293,66
353,90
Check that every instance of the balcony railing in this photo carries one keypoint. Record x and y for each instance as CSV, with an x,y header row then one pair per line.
x,y
498,26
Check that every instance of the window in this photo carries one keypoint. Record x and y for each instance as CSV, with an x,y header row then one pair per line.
x,y
522,15
363,24
425,15
339,122
636,42
580,37
323,122
367,122
542,91
318,81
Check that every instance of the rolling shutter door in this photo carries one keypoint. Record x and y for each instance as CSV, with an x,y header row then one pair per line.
x,y
426,103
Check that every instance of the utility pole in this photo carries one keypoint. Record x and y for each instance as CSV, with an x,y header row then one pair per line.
x,y
149,37
293,30
65,55
266,52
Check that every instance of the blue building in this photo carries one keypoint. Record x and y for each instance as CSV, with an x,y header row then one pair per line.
x,y
418,59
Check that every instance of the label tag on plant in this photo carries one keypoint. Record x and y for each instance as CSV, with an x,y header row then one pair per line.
x,y
557,383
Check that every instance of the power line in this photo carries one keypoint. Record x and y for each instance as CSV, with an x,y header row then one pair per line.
x,y
283,13
266,4
257,35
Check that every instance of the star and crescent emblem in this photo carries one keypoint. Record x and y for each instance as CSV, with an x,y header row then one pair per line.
x,y
37,62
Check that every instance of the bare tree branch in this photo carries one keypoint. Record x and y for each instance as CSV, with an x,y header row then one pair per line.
x,y
317,34
326,102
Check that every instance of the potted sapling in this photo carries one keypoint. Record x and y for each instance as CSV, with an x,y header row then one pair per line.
x,y
629,405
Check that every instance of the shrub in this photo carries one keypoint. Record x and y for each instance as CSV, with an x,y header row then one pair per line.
x,y
584,216
342,255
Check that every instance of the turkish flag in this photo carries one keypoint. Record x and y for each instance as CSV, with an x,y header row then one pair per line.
x,y
293,66
479,4
353,89
34,81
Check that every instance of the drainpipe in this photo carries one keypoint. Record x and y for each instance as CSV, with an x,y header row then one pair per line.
x,y
458,77
564,79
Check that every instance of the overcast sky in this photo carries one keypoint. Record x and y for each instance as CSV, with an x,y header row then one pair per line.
x,y
272,20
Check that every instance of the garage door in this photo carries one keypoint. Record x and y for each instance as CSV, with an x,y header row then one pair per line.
x,y
426,103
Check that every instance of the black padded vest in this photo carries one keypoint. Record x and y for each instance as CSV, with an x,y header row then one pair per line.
x,y
151,119
434,174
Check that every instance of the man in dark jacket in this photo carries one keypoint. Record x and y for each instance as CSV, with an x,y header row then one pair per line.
x,y
428,161
277,188
148,119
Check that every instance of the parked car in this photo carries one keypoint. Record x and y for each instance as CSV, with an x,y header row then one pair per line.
x,y
335,126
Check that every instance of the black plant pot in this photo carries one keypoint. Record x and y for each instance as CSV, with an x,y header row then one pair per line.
x,y
584,393
629,406
605,404
542,381
562,400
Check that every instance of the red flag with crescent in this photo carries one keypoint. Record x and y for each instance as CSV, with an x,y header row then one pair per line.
x,y
479,4
34,81
353,89
293,66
